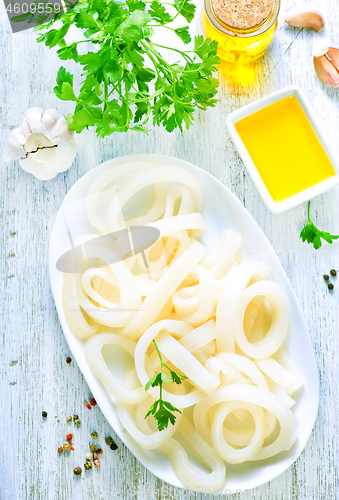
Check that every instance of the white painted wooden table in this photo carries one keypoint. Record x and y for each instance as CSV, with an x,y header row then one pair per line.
x,y
33,372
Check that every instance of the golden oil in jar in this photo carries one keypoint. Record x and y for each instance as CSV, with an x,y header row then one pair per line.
x,y
242,35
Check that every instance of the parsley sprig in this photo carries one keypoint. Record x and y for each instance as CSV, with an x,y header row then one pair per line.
x,y
312,234
160,409
127,80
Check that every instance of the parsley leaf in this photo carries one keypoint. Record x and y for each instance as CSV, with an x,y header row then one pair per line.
x,y
160,409
313,235
127,82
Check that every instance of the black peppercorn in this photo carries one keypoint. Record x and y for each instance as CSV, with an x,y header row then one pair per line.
x,y
326,277
77,471
333,272
114,446
330,286
44,414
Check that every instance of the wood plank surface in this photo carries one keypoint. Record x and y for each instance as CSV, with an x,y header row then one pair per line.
x,y
33,372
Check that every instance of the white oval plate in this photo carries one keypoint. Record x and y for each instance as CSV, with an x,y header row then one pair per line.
x,y
221,210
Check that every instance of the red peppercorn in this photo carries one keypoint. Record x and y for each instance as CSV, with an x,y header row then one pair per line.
x,y
60,449
92,402
100,451
69,437
97,463
87,405
68,360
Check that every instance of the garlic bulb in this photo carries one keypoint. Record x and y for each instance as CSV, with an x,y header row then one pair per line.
x,y
308,19
44,144
326,65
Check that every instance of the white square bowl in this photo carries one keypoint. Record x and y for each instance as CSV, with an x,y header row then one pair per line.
x,y
248,110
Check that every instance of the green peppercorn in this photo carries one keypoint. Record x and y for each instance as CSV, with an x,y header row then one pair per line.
x,y
77,471
94,435
330,286
69,419
114,446
109,441
333,272
92,447
326,277
88,465
77,422
44,414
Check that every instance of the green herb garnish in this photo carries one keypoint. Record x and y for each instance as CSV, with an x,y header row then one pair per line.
x,y
160,409
311,234
127,80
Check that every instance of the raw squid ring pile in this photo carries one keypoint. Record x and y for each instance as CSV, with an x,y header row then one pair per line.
x,y
215,316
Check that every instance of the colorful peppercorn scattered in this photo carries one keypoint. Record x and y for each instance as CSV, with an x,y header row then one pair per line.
x,y
88,465
60,449
100,451
330,286
89,456
66,446
69,437
114,446
68,361
97,463
94,435
77,422
77,471
69,419
109,441
326,277
333,272
95,455
92,402
76,417
92,447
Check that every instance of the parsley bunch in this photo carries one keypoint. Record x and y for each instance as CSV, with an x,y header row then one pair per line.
x,y
160,409
127,81
311,234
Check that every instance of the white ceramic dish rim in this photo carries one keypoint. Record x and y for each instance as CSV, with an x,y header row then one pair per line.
x,y
307,403
306,195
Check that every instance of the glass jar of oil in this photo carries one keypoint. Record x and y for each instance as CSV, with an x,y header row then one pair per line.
x,y
235,44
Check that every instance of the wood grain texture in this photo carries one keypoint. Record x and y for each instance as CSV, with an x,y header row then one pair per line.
x,y
33,372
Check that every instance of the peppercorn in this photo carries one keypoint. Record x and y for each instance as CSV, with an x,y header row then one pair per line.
x,y
60,449
92,447
69,437
97,463
44,414
92,402
109,441
100,451
66,446
76,417
86,403
95,455
94,435
77,471
68,361
330,286
114,446
88,456
326,277
77,422
69,419
88,465
333,272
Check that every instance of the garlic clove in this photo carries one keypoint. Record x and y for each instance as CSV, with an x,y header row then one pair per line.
x,y
326,65
308,19
33,118
49,118
25,128
61,131
15,145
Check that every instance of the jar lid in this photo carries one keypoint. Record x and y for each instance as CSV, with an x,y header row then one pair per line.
x,y
242,14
